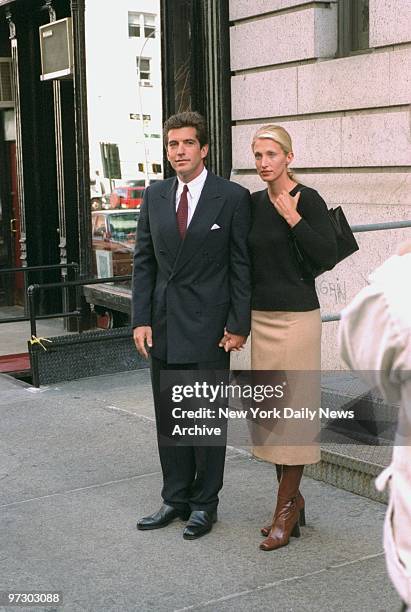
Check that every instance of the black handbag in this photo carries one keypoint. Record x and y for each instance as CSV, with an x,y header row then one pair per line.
x,y
346,245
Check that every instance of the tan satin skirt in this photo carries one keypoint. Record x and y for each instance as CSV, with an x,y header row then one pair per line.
x,y
290,341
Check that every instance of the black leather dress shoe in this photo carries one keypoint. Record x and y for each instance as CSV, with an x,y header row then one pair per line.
x,y
163,517
199,523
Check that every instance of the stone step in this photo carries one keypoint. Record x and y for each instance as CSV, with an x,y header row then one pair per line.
x,y
353,453
352,468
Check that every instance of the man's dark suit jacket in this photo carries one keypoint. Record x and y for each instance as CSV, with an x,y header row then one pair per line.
x,y
189,290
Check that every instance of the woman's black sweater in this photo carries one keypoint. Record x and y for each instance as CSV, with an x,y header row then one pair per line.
x,y
276,277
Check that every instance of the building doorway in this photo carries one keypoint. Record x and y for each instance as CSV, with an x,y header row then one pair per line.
x,y
11,285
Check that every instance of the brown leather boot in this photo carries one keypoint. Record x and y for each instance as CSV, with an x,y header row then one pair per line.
x,y
287,513
300,504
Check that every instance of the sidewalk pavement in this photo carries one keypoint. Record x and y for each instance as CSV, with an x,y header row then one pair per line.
x,y
79,465
14,336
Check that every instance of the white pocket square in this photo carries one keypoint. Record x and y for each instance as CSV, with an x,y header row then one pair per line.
x,y
215,226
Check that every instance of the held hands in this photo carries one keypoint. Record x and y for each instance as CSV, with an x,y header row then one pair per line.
x,y
286,206
232,342
143,335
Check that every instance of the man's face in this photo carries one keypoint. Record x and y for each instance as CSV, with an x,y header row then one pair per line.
x,y
185,153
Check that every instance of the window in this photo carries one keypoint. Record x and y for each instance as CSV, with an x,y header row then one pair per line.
x,y
143,69
141,25
110,157
360,25
123,225
353,26
149,26
99,227
156,168
134,25
125,159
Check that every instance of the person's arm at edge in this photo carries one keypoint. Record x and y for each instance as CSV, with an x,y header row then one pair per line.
x,y
239,315
143,281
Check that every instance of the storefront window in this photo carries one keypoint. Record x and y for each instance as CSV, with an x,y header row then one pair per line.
x,y
124,91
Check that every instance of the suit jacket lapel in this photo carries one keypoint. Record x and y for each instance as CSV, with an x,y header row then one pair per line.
x,y
171,237
207,210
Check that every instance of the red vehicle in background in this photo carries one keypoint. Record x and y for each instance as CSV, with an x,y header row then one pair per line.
x,y
126,197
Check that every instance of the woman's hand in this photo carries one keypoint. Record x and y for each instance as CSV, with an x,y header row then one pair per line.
x,y
286,206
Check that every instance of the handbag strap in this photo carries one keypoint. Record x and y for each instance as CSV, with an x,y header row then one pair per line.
x,y
301,189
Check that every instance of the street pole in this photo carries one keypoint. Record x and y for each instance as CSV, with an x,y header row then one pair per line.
x,y
146,154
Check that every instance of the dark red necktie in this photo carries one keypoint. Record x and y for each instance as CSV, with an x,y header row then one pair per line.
x,y
182,213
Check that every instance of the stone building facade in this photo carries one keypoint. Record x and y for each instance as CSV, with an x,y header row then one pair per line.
x,y
340,83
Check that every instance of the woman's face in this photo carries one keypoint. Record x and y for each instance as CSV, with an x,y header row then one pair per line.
x,y
270,160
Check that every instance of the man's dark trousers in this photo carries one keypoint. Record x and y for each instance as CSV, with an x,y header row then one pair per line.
x,y
192,475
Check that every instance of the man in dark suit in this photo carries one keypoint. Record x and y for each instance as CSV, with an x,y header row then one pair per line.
x,y
191,303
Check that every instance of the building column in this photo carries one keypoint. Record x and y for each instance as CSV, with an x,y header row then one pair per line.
x,y
19,147
81,135
82,151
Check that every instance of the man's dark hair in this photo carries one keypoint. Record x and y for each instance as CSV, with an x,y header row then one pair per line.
x,y
187,119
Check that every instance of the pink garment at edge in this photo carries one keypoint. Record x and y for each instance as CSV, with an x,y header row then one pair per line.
x,y
375,335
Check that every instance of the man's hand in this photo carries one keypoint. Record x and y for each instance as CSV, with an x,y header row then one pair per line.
x,y
143,335
232,342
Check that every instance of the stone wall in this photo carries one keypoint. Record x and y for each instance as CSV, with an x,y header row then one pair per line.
x,y
348,116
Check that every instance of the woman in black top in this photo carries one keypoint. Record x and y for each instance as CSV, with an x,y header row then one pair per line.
x,y
286,322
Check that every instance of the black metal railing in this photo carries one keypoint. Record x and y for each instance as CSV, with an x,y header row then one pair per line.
x,y
32,292
26,270
34,289
369,227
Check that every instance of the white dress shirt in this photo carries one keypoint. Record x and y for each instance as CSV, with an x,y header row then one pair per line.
x,y
195,188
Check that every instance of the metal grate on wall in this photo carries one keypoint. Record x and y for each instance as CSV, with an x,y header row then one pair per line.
x,y
6,89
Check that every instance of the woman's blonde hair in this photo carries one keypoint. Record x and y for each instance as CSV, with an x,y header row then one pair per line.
x,y
279,135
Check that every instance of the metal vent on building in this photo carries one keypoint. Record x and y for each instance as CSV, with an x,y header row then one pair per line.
x,y
56,46
6,89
